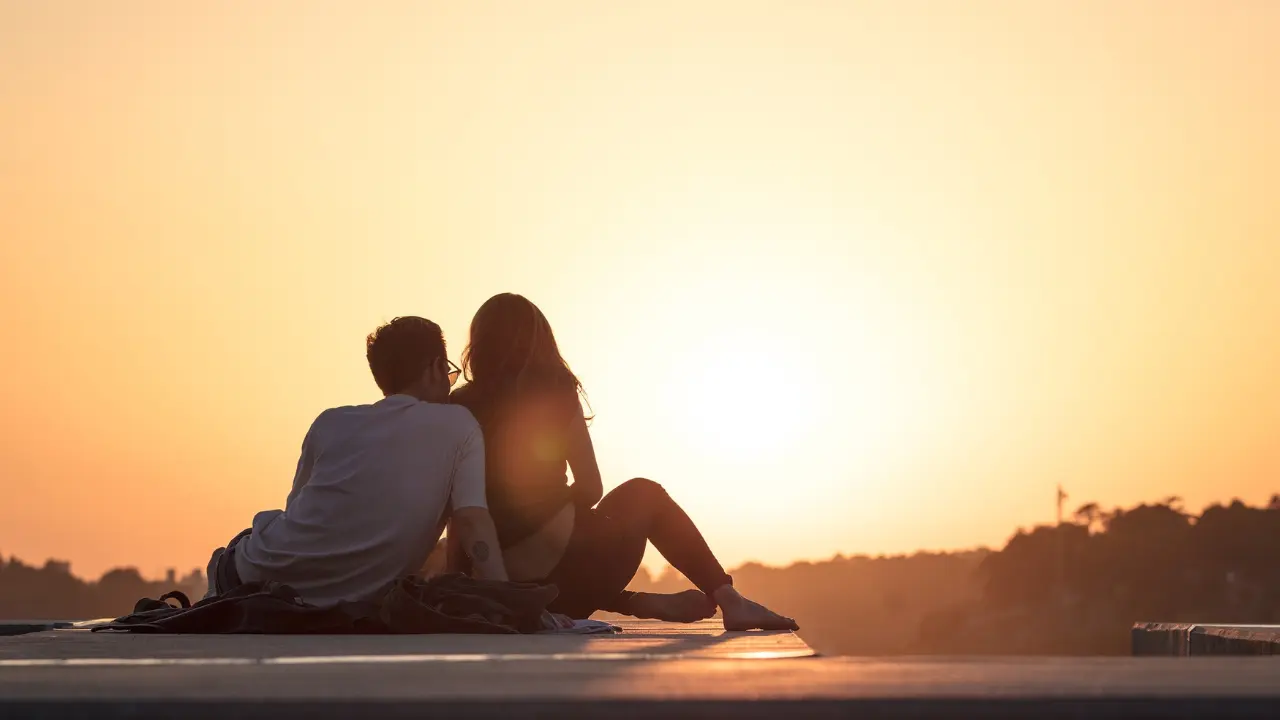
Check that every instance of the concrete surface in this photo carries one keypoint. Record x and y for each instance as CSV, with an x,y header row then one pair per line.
x,y
22,627
640,640
650,671
1183,639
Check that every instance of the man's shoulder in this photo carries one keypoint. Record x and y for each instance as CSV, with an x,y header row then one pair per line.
x,y
435,417
442,415
338,414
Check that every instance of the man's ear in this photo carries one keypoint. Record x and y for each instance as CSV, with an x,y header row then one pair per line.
x,y
427,378
436,372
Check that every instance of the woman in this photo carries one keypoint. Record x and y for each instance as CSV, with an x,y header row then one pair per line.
x,y
527,402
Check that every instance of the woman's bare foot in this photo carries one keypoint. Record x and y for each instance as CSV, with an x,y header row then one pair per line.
x,y
743,614
685,607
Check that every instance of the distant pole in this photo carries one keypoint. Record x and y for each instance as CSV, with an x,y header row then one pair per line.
x,y
1062,547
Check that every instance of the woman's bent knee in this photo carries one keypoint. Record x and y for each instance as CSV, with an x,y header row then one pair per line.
x,y
635,502
642,487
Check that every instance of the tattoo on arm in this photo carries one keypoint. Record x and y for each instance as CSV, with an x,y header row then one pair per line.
x,y
480,551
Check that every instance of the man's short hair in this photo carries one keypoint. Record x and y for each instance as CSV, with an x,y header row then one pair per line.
x,y
400,351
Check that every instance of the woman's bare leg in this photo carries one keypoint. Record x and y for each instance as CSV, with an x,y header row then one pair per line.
x,y
645,508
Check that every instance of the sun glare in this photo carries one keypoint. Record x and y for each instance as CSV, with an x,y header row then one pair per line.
x,y
741,404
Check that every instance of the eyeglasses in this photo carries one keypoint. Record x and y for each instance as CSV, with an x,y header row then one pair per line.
x,y
454,372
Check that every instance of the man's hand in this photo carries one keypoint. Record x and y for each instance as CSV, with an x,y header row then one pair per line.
x,y
478,539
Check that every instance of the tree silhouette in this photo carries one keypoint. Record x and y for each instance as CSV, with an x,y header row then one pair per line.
x,y
1089,515
51,592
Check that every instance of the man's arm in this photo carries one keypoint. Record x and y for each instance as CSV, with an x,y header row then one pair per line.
x,y
306,461
471,523
478,538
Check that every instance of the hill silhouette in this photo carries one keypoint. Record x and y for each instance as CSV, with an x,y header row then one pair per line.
x,y
1073,588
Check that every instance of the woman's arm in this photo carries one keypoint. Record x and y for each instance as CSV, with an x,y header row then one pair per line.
x,y
587,488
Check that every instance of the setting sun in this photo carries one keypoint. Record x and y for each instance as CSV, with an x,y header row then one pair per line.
x,y
738,399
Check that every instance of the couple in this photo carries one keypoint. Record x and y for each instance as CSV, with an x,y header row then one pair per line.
x,y
376,485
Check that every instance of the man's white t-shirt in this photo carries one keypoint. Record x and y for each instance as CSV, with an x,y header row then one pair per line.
x,y
368,499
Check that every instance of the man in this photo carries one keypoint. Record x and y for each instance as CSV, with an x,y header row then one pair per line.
x,y
375,485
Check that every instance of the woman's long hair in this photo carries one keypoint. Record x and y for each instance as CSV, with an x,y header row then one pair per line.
x,y
512,349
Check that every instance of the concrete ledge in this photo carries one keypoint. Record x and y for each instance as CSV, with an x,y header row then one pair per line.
x,y
1181,639
694,688
742,709
1234,640
651,670
1159,639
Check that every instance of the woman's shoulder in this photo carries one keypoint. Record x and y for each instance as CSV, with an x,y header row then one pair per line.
x,y
470,398
555,389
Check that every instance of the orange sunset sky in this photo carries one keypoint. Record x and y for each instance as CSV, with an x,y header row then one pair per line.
x,y
844,276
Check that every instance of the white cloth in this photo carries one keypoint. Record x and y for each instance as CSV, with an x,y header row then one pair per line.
x,y
584,627
368,499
